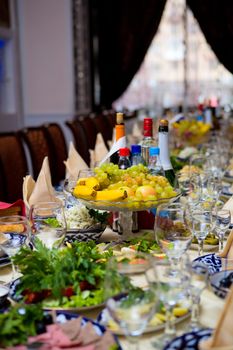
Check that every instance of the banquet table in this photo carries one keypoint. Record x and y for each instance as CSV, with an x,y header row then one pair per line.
x,y
210,308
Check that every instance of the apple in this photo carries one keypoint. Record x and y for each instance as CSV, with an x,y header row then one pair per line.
x,y
145,191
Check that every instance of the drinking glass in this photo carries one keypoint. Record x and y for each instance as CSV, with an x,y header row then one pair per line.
x,y
199,219
172,290
172,233
222,223
14,233
130,292
48,223
197,277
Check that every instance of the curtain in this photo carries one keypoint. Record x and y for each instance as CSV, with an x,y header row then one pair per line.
x,y
125,31
215,18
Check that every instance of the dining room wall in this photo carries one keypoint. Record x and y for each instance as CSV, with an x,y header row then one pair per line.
x,y
46,56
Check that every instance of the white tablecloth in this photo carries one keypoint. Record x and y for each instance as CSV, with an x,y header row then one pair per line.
x,y
211,305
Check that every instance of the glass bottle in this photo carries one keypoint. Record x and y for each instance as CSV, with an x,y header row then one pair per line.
x,y
148,139
164,151
120,134
155,166
136,156
124,161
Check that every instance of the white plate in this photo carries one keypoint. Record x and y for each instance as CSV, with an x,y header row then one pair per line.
x,y
104,317
206,247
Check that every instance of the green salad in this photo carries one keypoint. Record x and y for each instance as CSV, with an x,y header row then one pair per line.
x,y
70,277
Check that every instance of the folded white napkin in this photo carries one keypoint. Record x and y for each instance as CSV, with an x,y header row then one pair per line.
x,y
41,190
222,338
137,132
99,152
74,163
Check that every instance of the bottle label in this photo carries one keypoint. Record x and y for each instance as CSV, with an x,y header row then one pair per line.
x,y
164,151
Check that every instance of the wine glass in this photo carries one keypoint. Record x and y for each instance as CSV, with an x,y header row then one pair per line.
x,y
14,233
199,219
172,233
222,223
48,223
172,290
130,292
197,277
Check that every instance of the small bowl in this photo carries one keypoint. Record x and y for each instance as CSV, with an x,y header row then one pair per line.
x,y
92,233
4,291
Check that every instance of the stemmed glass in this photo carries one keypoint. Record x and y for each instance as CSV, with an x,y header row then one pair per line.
x,y
222,223
199,219
48,223
197,277
130,292
172,233
172,290
14,233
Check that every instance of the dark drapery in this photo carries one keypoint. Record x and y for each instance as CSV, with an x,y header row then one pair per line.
x,y
215,18
125,30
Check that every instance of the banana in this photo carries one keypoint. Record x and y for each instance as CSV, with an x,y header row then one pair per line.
x,y
84,192
111,195
91,182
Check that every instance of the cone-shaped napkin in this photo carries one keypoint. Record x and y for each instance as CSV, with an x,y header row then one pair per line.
x,y
222,338
74,163
41,190
137,132
99,152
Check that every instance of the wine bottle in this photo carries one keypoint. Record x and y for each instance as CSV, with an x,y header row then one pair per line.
x,y
148,139
164,151
120,133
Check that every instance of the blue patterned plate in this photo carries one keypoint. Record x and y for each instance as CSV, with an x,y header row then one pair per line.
x,y
189,341
217,282
4,261
212,261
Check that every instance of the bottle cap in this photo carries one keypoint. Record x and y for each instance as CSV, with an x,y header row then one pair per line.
x,y
154,151
148,121
163,122
125,152
135,149
119,118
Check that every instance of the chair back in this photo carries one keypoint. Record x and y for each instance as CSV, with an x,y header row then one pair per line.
x,y
57,143
13,167
80,139
38,147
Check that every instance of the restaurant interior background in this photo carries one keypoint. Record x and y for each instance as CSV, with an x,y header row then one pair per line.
x,y
65,58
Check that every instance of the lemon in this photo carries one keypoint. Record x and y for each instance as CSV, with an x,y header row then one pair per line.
x,y
180,311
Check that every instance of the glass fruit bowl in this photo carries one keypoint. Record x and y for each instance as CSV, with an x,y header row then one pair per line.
x,y
119,205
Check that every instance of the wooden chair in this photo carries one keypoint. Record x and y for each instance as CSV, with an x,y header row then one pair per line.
x,y
13,167
90,130
80,139
103,126
38,147
57,143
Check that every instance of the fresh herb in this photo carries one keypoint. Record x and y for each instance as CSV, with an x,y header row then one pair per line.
x,y
52,222
99,216
19,323
58,273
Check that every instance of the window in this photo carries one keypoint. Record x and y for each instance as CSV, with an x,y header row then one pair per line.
x,y
159,83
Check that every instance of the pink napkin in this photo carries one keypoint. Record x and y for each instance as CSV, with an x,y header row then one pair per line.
x,y
16,208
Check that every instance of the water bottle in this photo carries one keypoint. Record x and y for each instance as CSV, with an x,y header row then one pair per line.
x,y
124,161
136,156
155,166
